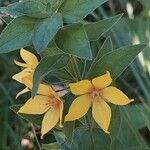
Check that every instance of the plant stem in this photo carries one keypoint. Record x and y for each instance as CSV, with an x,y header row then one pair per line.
x,y
37,141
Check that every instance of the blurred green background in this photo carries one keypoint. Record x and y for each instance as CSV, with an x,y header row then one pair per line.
x,y
134,28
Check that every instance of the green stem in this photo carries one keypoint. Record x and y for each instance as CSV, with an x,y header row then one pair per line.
x,y
36,139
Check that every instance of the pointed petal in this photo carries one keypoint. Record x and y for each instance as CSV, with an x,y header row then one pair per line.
x,y
115,96
102,81
22,92
43,88
38,105
50,119
81,87
24,73
29,58
101,113
20,64
78,108
61,114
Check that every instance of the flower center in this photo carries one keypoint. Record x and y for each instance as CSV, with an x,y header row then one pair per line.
x,y
95,93
53,102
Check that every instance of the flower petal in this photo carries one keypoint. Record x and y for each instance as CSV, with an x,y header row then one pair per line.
x,y
102,81
22,92
101,113
24,73
78,108
50,119
61,114
43,88
29,58
115,96
20,64
37,105
81,87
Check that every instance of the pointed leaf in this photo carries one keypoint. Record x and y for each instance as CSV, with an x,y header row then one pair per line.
x,y
117,145
115,122
6,19
36,119
96,29
73,40
136,112
48,64
51,51
17,34
32,8
116,61
94,139
68,130
139,148
105,48
76,10
45,31
129,135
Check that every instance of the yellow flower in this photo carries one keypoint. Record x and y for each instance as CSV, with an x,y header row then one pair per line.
x,y
29,65
46,102
95,93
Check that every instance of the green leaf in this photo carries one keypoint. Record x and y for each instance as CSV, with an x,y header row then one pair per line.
x,y
116,145
17,34
73,40
94,139
68,98
55,4
104,49
51,146
96,29
60,137
129,135
32,8
45,31
68,130
36,119
144,113
48,64
51,51
5,117
6,19
115,122
135,112
139,148
116,61
76,10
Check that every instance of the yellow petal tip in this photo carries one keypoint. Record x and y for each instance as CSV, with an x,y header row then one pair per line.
x,y
60,125
107,72
17,96
107,132
132,100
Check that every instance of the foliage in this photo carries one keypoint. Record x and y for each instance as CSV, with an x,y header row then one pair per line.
x,y
76,40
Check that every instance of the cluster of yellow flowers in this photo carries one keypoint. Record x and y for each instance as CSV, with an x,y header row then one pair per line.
x,y
95,94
